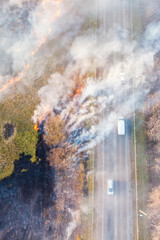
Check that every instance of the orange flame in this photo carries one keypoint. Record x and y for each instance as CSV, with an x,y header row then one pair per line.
x,y
76,92
36,128
11,81
33,52
79,90
40,119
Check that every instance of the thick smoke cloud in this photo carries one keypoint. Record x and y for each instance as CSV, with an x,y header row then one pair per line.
x,y
110,57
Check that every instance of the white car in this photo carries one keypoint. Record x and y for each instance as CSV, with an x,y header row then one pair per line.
x,y
122,77
110,187
121,126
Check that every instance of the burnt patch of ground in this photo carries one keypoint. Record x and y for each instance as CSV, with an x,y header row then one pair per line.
x,y
8,130
24,197
36,200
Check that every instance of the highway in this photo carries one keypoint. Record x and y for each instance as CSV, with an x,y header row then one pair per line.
x,y
114,213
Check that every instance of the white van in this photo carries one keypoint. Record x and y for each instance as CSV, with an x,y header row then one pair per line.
x,y
110,187
121,126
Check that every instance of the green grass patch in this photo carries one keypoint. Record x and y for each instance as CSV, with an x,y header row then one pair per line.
x,y
142,176
87,202
17,110
24,170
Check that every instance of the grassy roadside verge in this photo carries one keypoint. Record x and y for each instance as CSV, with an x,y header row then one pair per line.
x,y
142,178
87,203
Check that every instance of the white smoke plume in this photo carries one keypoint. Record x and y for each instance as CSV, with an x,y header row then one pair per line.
x,y
111,58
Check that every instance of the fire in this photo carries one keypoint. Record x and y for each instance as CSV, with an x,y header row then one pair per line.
x,y
40,119
76,92
79,90
36,128
11,81
33,52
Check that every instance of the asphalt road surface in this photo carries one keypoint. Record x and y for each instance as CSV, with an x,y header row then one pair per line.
x,y
114,212
114,219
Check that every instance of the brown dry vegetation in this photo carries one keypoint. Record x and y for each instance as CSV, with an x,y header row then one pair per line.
x,y
54,128
154,213
153,139
153,159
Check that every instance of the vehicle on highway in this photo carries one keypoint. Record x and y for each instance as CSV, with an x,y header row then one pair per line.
x,y
122,77
110,187
121,126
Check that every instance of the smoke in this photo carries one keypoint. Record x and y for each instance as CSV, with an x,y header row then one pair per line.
x,y
152,36
72,225
104,60
35,33
43,34
51,94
